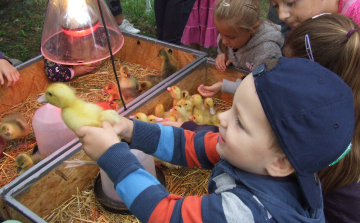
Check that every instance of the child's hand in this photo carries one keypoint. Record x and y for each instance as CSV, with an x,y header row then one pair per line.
x,y
125,129
81,70
210,91
220,62
95,141
10,72
172,123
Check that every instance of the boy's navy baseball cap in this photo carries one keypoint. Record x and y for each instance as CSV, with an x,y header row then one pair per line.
x,y
311,111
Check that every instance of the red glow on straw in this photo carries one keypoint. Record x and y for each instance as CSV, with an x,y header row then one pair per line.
x,y
83,32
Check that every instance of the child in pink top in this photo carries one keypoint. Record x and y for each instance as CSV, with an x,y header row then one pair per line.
x,y
200,28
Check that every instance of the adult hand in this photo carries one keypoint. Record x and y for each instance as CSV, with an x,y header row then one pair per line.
x,y
220,62
95,141
210,91
10,72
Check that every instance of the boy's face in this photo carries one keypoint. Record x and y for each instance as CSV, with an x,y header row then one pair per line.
x,y
294,12
231,37
245,138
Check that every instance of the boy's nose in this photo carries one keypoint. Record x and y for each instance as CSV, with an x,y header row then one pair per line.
x,y
283,12
222,119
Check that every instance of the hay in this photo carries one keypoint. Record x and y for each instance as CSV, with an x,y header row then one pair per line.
x,y
88,87
83,206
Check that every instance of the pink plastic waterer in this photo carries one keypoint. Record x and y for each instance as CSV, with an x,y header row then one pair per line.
x,y
51,133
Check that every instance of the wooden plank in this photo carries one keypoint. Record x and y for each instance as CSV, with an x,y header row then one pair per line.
x,y
57,186
32,81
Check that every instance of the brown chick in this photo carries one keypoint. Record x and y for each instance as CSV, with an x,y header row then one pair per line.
x,y
14,126
167,66
24,162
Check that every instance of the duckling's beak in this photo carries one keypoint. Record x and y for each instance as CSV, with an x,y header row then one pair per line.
x,y
212,111
128,75
18,169
105,92
42,99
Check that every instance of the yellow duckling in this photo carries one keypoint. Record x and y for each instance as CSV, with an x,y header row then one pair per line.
x,y
185,94
180,113
145,85
188,105
140,116
74,111
209,106
167,66
154,119
198,104
175,94
24,162
126,80
14,126
160,112
197,118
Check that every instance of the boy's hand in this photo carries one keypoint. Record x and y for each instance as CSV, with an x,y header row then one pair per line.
x,y
172,123
95,141
210,91
10,72
220,62
125,129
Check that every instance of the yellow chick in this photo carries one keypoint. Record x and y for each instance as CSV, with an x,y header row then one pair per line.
x,y
154,119
126,80
159,112
180,113
141,117
175,94
24,162
185,94
197,118
74,111
14,126
198,104
188,105
167,66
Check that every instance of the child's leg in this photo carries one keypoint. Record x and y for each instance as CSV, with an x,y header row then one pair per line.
x,y
57,72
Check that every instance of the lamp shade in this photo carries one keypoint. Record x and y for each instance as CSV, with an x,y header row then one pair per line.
x,y
74,33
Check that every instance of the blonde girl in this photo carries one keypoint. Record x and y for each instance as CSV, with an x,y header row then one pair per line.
x,y
245,41
333,40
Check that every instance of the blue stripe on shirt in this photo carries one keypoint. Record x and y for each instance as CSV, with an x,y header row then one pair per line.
x,y
200,151
133,184
165,149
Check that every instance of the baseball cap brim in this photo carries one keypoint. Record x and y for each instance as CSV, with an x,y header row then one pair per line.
x,y
311,187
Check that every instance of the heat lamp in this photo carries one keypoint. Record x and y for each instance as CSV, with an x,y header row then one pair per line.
x,y
79,32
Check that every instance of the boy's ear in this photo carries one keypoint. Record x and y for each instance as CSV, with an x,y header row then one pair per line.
x,y
256,26
280,168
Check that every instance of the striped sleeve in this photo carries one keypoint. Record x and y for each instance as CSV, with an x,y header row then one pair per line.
x,y
176,145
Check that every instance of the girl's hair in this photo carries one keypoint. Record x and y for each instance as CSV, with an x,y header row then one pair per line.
x,y
335,44
239,13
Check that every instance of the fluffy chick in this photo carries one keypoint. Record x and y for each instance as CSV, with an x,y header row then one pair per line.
x,y
148,82
126,80
180,113
141,117
160,112
24,162
14,126
167,66
74,111
175,94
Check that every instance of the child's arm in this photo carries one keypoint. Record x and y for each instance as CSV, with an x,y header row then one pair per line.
x,y
7,70
143,194
225,86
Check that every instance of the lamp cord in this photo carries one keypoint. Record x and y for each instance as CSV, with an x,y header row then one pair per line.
x,y
111,55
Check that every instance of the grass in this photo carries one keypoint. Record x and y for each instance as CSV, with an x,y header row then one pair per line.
x,y
22,22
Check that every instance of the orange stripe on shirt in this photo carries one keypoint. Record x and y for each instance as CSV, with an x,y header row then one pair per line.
x,y
164,209
191,209
210,140
190,153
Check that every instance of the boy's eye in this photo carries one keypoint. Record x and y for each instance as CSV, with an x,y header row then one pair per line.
x,y
239,123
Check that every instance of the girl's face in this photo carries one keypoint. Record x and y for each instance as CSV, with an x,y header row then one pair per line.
x,y
231,37
294,12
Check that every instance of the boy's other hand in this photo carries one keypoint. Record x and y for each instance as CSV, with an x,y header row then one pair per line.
x,y
210,91
125,129
10,72
220,62
95,141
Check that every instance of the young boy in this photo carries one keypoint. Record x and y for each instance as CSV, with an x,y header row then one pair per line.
x,y
285,124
